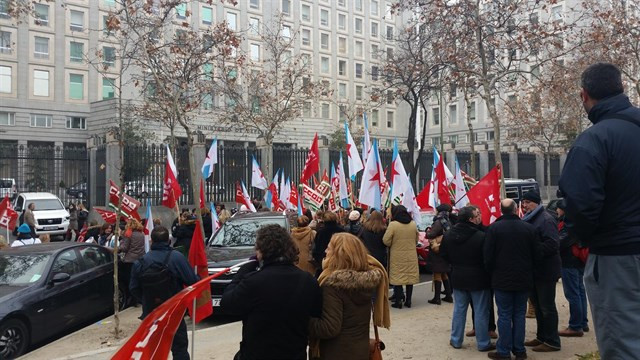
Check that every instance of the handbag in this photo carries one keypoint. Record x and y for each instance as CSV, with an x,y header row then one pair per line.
x,y
375,345
435,243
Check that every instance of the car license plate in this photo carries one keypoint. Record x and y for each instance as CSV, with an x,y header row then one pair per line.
x,y
46,228
216,302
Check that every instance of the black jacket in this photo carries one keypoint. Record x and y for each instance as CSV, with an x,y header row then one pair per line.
x,y
353,228
600,178
207,225
566,243
373,242
184,234
322,239
510,250
275,303
550,265
177,264
462,247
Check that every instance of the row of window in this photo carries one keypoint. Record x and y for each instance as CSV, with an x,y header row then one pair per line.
x,y
325,44
41,84
373,117
44,120
455,139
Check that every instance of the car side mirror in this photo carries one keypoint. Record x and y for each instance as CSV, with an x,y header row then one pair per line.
x,y
60,277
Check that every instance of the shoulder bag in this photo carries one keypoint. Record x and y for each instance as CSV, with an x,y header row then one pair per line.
x,y
375,345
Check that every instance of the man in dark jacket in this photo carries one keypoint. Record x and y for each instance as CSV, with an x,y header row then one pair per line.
x,y
323,236
462,247
599,183
183,274
274,298
572,283
546,274
510,250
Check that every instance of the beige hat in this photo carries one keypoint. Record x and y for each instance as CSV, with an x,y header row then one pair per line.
x,y
354,215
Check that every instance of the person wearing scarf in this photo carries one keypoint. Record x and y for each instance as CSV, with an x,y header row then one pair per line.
x,y
350,279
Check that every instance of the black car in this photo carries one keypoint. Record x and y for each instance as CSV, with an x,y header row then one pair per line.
x,y
234,243
48,289
78,190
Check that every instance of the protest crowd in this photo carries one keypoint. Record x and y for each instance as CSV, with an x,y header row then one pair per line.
x,y
314,291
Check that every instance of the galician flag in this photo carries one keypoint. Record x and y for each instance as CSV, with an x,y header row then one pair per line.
x,y
460,191
398,177
410,202
353,158
272,194
366,140
257,178
148,228
342,185
215,222
211,160
433,190
370,186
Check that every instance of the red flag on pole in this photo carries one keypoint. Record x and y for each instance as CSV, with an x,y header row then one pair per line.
x,y
83,233
202,200
198,259
108,216
312,165
443,187
129,205
423,197
486,195
8,216
171,189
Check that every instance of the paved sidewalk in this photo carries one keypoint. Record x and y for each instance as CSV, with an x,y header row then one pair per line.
x,y
421,332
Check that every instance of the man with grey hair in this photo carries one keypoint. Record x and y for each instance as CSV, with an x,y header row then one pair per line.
x,y
599,183
510,250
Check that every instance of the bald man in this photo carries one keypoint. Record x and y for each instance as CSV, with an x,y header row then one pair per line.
x,y
510,250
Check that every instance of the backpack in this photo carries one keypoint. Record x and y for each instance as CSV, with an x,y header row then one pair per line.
x,y
158,282
581,253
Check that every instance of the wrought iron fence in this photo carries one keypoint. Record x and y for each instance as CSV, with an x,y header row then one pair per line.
x,y
526,165
291,160
100,168
555,170
43,167
234,164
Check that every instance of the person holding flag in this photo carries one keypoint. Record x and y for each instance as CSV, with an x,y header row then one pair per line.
x,y
160,274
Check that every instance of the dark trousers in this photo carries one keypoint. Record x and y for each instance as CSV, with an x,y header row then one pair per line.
x,y
492,317
180,345
512,306
544,300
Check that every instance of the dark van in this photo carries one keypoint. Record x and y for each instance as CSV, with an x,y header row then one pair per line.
x,y
516,187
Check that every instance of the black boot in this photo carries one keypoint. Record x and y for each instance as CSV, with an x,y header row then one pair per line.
x,y
407,301
447,291
436,296
398,297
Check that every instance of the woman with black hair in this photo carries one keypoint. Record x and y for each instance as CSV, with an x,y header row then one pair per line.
x,y
439,266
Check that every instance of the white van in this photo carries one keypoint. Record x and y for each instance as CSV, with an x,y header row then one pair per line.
x,y
51,216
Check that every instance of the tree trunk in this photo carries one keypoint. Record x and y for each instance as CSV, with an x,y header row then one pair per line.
x,y
194,180
416,168
472,142
547,156
411,136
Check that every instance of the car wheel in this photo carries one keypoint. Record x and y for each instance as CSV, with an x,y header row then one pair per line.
x,y
123,298
14,338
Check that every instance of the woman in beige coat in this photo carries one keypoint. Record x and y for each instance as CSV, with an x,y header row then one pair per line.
x,y
303,237
401,237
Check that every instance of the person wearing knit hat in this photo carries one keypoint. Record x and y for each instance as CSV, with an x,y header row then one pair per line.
x,y
546,274
24,237
354,226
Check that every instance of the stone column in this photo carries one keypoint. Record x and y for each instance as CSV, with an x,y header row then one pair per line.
x,y
483,154
266,154
113,165
513,161
91,183
540,168
199,154
563,159
323,149
58,169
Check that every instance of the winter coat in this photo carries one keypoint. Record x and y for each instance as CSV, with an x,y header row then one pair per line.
x,y
207,225
323,236
29,218
275,303
441,225
599,181
353,227
569,261
403,260
73,219
93,232
462,247
184,234
373,242
343,329
550,266
511,247
303,237
83,215
132,247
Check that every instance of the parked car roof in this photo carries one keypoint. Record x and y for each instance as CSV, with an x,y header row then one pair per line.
x,y
38,195
259,214
46,248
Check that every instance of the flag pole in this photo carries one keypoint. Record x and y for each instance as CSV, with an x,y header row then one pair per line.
x,y
193,318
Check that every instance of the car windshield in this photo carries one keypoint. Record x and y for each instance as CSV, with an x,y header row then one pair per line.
x,y
243,232
4,183
425,221
47,204
22,269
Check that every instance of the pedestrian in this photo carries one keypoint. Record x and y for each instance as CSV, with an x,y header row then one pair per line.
x,y
303,236
152,294
184,233
546,274
72,230
29,218
106,234
510,251
599,183
316,223
353,225
93,232
131,248
274,298
323,236
401,237
439,266
224,214
83,215
207,223
349,280
25,237
462,247
572,283
372,234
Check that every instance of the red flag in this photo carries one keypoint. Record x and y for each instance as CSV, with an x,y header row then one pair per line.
x,y
273,188
171,189
239,194
8,216
153,338
83,233
312,165
486,195
198,259
293,195
202,200
423,197
443,187
129,205
108,216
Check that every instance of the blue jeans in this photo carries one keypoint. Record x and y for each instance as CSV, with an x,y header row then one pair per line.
x,y
573,287
462,299
512,306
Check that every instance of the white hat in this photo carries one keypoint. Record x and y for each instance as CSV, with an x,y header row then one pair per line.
x,y
354,215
